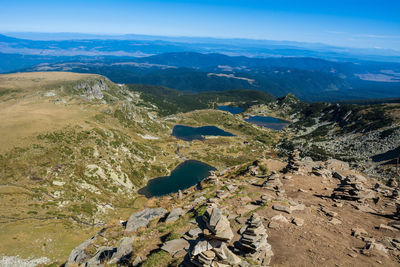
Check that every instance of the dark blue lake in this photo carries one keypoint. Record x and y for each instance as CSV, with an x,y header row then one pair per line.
x,y
182,177
188,133
233,110
268,122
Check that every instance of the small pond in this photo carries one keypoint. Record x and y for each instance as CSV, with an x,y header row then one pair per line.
x,y
268,122
188,133
233,110
185,175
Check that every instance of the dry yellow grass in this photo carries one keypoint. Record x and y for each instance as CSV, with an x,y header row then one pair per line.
x,y
29,80
30,112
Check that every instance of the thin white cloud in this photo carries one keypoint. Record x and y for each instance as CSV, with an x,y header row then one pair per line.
x,y
375,36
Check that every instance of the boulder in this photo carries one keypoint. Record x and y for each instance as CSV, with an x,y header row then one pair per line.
x,y
124,251
102,255
79,255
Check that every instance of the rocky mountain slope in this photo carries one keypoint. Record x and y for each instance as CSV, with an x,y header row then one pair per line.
x,y
367,136
301,213
75,149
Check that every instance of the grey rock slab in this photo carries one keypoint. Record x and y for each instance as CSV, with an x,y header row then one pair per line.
x,y
143,218
282,208
124,250
137,261
78,255
194,233
175,246
175,214
102,254
205,245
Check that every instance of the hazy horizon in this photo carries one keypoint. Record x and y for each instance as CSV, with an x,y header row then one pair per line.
x,y
356,24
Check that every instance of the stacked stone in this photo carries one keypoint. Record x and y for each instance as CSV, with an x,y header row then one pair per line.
x,y
320,171
293,162
253,170
212,178
253,242
264,199
392,183
395,195
397,214
212,250
351,188
272,182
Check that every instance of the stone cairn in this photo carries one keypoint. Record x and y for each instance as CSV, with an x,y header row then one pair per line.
x,y
212,178
211,248
392,183
352,188
273,182
253,242
397,213
293,162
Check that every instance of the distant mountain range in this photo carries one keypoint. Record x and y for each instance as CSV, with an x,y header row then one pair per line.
x,y
72,44
312,72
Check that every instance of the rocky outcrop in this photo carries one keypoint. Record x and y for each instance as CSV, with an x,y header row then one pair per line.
x,y
143,218
110,255
123,251
253,242
79,254
92,89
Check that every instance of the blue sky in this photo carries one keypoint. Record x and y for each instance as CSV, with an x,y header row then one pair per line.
x,y
353,23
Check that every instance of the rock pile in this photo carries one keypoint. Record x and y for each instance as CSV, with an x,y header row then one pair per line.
x,y
217,225
321,171
293,162
395,195
352,188
212,178
211,247
253,242
264,199
272,182
397,213
253,169
392,183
